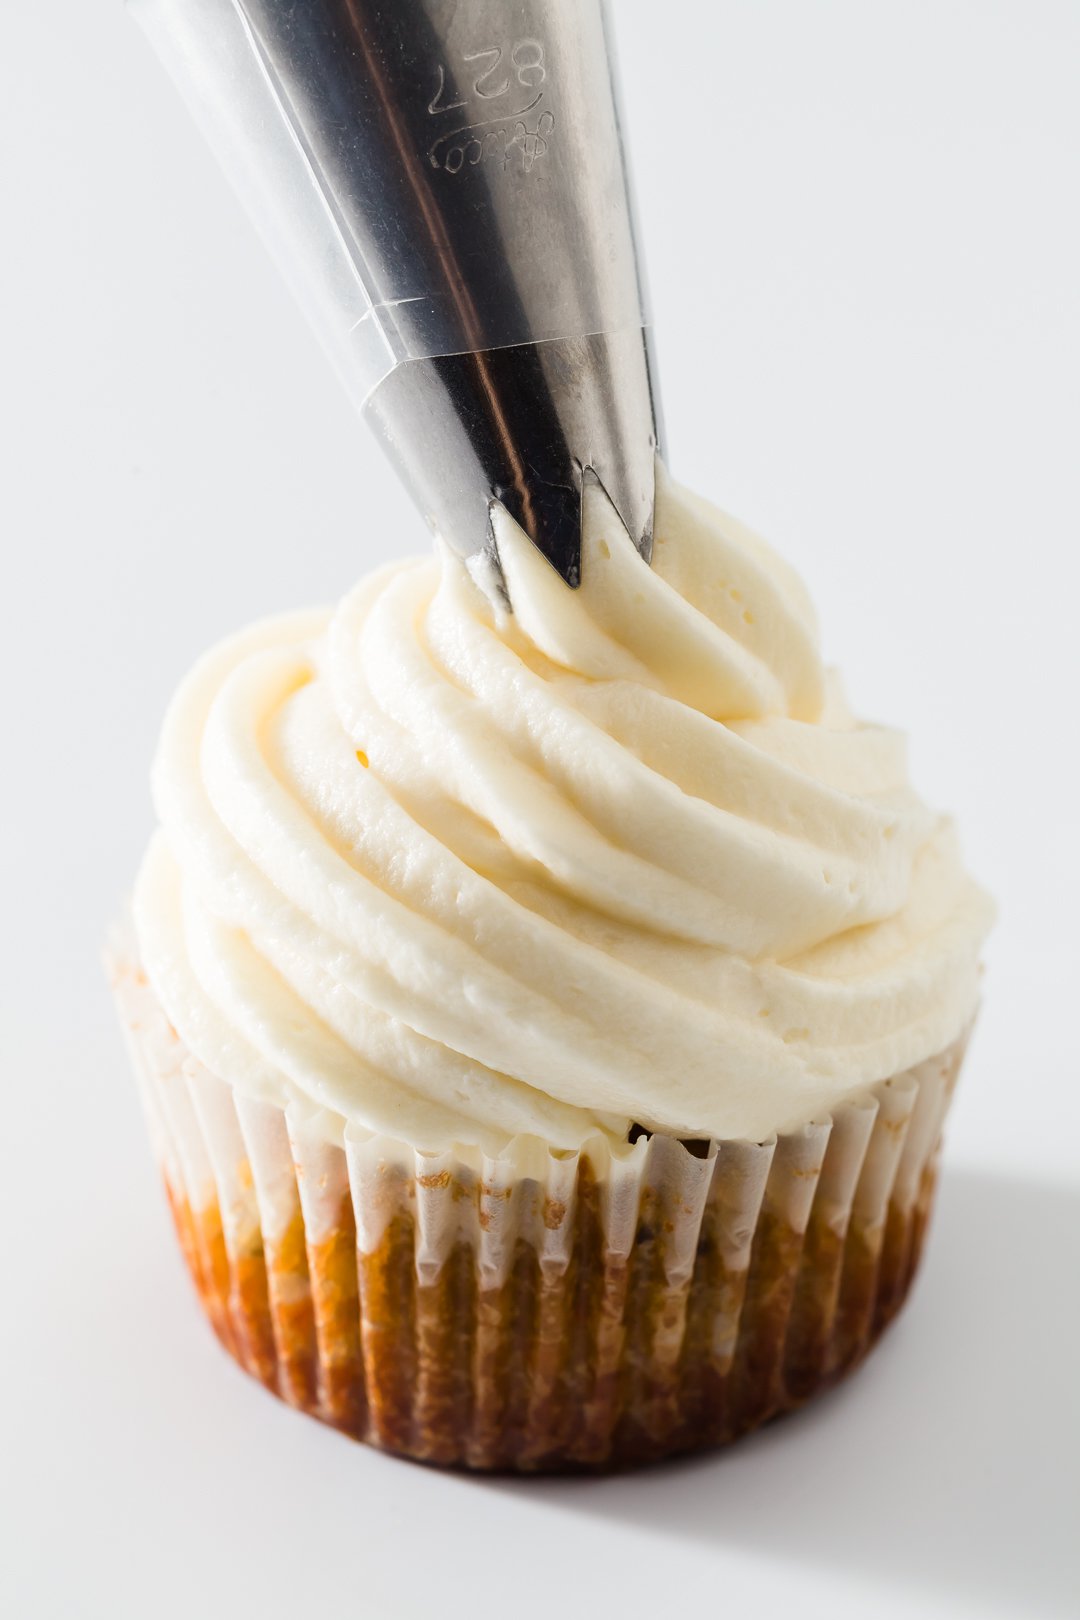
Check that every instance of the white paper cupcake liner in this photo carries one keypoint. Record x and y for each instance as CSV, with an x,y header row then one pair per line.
x,y
539,1309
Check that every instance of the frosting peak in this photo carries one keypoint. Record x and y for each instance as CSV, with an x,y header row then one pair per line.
x,y
623,856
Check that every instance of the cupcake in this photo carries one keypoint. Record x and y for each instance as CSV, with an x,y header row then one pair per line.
x,y
546,1021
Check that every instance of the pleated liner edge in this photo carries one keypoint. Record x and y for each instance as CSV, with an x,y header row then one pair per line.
x,y
541,1311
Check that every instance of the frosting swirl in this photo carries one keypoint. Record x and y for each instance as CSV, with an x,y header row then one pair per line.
x,y
623,856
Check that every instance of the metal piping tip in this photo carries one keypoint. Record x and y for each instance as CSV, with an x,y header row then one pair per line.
x,y
523,426
444,185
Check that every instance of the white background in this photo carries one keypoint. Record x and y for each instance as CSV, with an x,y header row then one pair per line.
x,y
862,240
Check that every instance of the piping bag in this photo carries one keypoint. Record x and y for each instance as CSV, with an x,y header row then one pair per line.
x,y
444,187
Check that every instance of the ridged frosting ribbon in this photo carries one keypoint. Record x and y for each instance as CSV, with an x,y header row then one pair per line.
x,y
622,857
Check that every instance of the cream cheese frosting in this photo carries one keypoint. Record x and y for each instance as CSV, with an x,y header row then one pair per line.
x,y
623,856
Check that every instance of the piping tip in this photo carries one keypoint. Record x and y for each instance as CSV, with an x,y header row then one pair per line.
x,y
444,185
525,426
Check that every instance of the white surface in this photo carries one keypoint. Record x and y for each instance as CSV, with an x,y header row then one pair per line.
x,y
864,257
